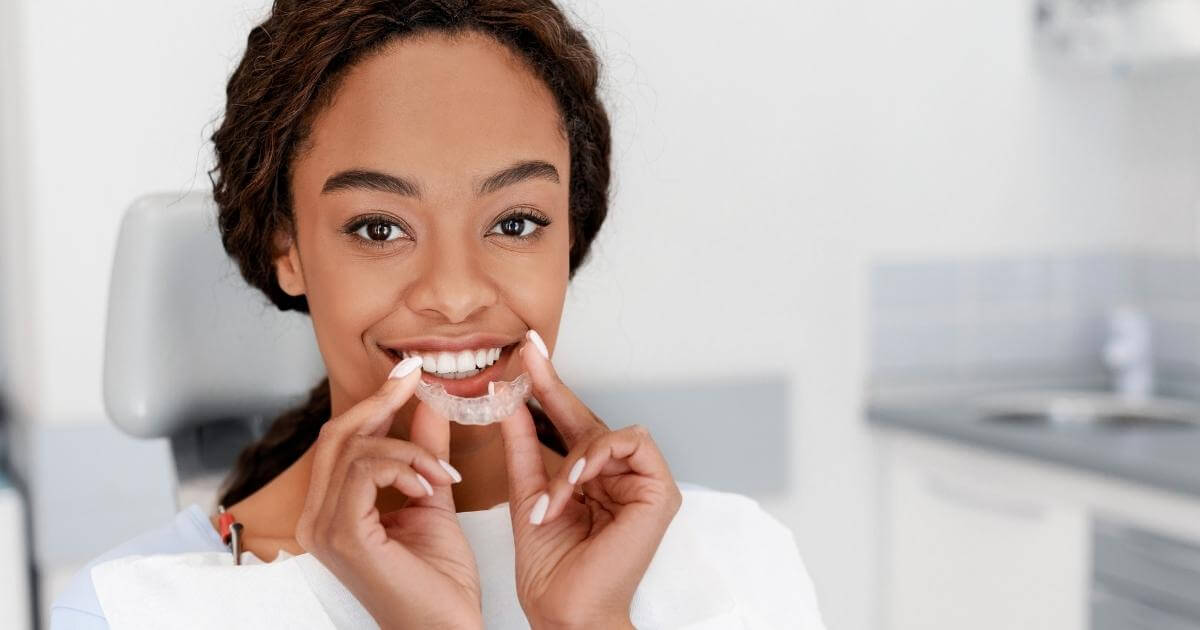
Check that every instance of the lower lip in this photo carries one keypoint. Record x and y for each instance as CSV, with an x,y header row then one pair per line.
x,y
471,386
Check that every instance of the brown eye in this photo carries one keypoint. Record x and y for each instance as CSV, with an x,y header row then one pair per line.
x,y
520,225
379,231
513,226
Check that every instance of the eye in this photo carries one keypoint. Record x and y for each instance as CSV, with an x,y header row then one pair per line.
x,y
375,230
379,231
521,225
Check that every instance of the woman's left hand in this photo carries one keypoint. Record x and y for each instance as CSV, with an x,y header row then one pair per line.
x,y
580,557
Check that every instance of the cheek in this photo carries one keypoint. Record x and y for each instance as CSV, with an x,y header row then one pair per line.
x,y
344,301
356,300
537,299
536,292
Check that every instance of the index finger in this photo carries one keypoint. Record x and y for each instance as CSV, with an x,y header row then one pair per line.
x,y
372,415
574,421
369,417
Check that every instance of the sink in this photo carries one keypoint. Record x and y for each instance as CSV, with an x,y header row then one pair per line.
x,y
1088,410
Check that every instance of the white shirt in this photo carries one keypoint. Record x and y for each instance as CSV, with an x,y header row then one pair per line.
x,y
723,563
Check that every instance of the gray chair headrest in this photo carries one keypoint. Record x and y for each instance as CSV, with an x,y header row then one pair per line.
x,y
188,341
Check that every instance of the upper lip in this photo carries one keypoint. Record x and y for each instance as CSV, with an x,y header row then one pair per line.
x,y
477,341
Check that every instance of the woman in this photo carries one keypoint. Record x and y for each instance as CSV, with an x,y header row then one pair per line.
x,y
424,178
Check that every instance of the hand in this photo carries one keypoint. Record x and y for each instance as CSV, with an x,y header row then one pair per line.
x,y
409,568
580,566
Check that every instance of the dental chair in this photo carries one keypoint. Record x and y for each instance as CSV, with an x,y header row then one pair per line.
x,y
192,353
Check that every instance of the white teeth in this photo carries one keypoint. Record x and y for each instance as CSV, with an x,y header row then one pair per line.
x,y
465,360
458,364
429,363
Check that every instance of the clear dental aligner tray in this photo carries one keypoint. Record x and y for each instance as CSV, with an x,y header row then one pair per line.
x,y
500,401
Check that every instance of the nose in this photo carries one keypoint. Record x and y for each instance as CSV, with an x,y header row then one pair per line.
x,y
453,283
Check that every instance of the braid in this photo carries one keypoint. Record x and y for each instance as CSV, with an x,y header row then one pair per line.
x,y
289,436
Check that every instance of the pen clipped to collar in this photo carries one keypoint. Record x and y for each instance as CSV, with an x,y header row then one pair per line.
x,y
231,533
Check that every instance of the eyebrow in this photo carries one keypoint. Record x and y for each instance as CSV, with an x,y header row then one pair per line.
x,y
529,169
363,179
370,180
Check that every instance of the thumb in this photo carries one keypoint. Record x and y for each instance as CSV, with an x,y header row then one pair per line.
x,y
431,432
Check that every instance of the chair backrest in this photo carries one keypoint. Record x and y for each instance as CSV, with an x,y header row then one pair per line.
x,y
188,342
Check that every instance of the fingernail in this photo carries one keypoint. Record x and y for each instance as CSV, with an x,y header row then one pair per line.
x,y
425,483
541,345
576,470
539,509
405,367
491,388
450,469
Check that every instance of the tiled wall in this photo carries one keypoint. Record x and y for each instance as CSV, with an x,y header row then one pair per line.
x,y
963,320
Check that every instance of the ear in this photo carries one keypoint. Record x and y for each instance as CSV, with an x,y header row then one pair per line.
x,y
287,264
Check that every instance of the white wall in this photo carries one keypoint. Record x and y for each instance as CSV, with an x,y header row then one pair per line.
x,y
764,156
14,251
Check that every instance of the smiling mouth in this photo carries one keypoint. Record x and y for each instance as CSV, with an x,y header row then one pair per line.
x,y
455,365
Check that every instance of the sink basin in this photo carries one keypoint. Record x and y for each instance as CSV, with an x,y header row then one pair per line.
x,y
1094,410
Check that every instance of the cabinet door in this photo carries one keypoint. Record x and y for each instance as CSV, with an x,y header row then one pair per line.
x,y
969,553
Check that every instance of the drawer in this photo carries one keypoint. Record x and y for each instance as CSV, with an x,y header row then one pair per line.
x,y
1153,569
1111,611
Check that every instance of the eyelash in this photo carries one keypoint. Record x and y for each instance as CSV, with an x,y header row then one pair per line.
x,y
352,228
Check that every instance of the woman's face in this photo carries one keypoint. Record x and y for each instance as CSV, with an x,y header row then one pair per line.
x,y
417,206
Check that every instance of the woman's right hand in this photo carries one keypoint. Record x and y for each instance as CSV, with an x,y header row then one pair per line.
x,y
411,567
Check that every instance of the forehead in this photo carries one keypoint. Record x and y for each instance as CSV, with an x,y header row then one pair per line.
x,y
455,105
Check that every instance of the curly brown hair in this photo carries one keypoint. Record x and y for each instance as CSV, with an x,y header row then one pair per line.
x,y
292,66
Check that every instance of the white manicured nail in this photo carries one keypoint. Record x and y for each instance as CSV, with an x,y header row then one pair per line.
x,y
450,469
539,509
576,470
405,367
541,345
425,483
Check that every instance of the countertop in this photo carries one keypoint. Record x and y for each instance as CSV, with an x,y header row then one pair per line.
x,y
1164,457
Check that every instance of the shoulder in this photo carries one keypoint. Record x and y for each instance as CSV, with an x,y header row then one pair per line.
x,y
718,502
757,553
714,511
77,607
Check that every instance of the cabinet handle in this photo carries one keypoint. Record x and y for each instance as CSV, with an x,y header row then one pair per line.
x,y
961,496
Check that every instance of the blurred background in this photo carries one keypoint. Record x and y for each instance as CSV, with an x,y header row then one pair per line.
x,y
928,269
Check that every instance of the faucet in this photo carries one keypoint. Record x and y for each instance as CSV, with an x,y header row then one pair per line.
x,y
1127,353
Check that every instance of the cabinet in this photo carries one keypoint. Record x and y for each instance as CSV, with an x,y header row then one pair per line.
x,y
966,548
15,600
